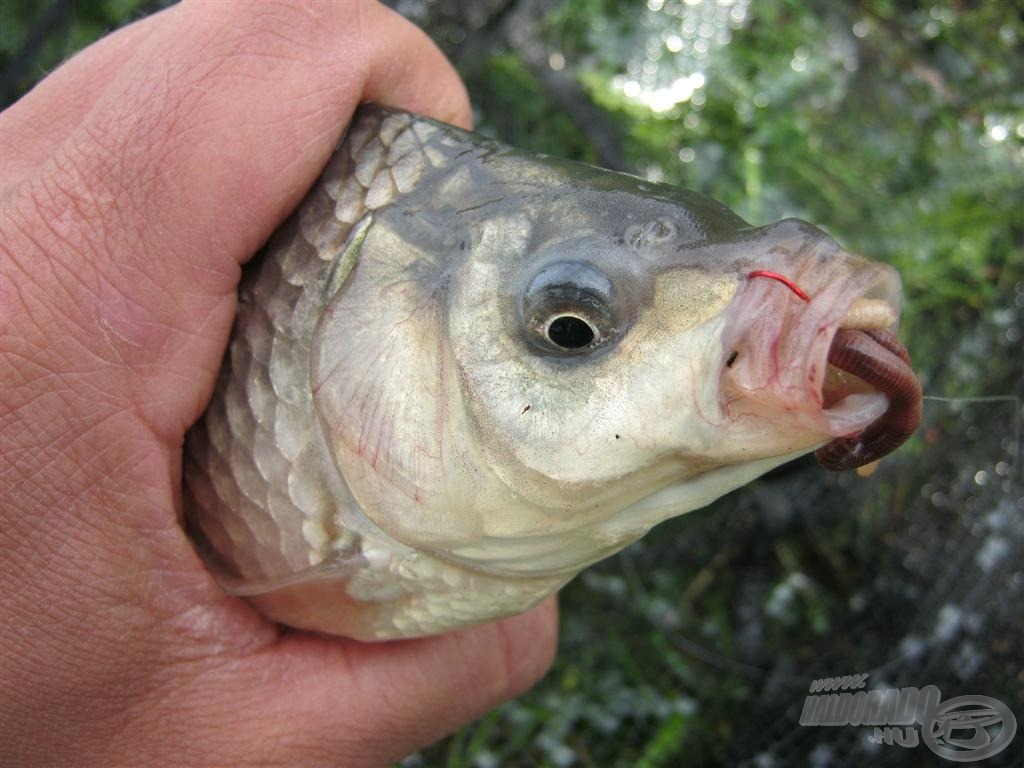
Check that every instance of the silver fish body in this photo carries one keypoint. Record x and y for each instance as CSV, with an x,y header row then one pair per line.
x,y
461,373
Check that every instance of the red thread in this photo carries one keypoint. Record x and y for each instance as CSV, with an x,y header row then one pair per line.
x,y
782,279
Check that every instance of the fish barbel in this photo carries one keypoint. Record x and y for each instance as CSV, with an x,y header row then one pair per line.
x,y
460,373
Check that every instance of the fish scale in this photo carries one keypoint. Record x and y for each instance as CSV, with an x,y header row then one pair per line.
x,y
274,429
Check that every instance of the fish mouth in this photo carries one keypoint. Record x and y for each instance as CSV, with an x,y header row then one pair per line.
x,y
812,357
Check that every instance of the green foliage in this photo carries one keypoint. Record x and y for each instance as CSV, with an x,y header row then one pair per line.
x,y
503,79
36,36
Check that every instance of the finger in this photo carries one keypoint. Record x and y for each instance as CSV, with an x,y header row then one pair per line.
x,y
422,690
328,702
198,149
42,119
407,82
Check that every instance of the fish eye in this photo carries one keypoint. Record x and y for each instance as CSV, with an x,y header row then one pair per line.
x,y
568,309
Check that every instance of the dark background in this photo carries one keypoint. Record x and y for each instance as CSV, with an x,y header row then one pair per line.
x,y
899,128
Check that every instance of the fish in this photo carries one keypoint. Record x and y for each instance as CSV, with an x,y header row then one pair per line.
x,y
460,373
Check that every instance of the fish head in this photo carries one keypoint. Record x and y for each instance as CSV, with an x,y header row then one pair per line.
x,y
535,361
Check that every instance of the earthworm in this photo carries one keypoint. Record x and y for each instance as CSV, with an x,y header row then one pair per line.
x,y
888,340
878,358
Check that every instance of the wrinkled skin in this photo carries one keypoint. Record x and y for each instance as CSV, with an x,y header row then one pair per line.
x,y
135,179
461,373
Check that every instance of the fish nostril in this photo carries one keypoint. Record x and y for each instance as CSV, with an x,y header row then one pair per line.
x,y
732,359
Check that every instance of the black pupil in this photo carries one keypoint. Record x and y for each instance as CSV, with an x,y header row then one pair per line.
x,y
570,332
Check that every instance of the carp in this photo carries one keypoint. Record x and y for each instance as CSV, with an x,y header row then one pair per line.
x,y
460,373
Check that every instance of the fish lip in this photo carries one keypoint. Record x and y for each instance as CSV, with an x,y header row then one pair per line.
x,y
781,345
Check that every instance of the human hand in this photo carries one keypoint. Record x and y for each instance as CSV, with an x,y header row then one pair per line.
x,y
135,180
